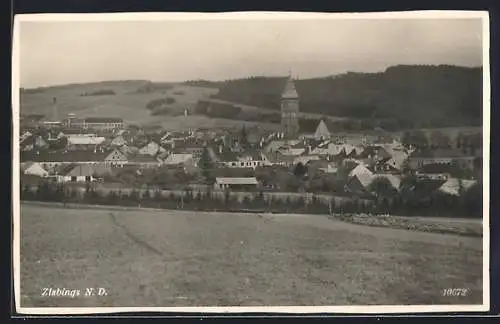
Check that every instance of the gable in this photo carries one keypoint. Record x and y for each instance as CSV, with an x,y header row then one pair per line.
x,y
322,129
35,168
116,155
359,170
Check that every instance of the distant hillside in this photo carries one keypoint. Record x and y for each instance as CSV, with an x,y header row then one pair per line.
x,y
415,96
137,101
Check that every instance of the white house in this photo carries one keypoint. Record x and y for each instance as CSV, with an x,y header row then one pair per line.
x,y
77,173
240,160
34,168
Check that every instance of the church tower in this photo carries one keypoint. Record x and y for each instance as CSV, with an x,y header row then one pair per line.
x,y
290,110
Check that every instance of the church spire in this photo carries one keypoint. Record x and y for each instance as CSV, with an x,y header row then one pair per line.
x,y
290,92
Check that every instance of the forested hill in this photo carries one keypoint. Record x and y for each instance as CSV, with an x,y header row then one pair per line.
x,y
414,95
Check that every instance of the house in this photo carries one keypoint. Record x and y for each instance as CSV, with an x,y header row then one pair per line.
x,y
118,141
322,131
40,143
152,149
277,159
81,141
420,176
248,159
375,153
51,159
189,147
275,145
178,159
128,149
359,183
236,183
360,169
144,161
33,168
454,186
116,158
76,173
330,168
293,150
304,159
420,158
103,123
28,144
24,136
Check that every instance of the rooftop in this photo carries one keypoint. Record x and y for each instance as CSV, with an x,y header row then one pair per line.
x,y
290,92
237,181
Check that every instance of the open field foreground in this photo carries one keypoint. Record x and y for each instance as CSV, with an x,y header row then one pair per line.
x,y
172,258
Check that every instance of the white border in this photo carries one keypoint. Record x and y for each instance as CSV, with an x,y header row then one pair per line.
x,y
254,16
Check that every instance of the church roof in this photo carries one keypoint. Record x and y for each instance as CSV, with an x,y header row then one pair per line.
x,y
289,92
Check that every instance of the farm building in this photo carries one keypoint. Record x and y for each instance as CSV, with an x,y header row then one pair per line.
x,y
76,173
236,183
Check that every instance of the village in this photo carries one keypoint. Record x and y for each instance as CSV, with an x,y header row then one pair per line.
x,y
243,163
106,153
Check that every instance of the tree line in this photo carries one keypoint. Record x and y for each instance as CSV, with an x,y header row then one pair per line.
x,y
419,96
385,201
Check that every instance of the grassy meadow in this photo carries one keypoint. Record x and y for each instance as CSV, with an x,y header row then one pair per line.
x,y
182,258
127,103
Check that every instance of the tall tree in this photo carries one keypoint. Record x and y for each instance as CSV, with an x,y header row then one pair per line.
x,y
206,165
382,188
243,138
300,170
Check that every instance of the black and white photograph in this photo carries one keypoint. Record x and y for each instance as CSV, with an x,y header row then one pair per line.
x,y
251,162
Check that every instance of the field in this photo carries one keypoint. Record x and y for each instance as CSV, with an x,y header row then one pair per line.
x,y
174,258
127,103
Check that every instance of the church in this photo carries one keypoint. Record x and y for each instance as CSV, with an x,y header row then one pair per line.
x,y
290,111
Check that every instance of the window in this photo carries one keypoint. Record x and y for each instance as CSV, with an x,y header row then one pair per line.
x,y
242,163
87,178
233,163
73,179
249,163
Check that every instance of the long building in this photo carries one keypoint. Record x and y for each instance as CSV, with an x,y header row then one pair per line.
x,y
95,123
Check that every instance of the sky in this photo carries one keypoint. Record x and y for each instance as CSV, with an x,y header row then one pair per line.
x,y
60,52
